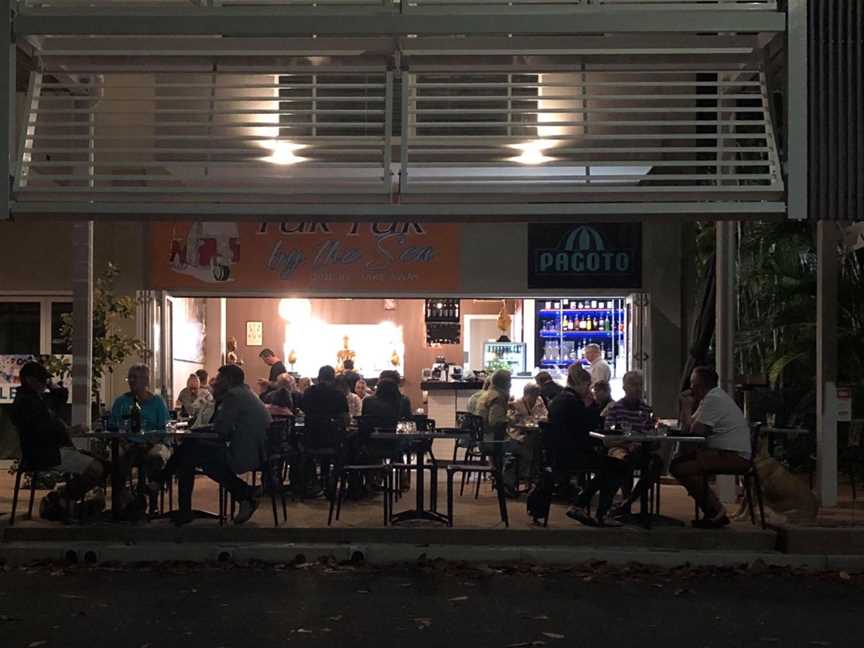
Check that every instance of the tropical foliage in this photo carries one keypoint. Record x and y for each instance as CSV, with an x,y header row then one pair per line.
x,y
111,345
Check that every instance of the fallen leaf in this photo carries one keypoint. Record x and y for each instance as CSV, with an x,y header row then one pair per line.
x,y
8,619
36,644
541,617
422,622
362,591
681,592
458,598
338,617
303,631
552,635
325,630
845,575
587,579
71,596
820,643
523,644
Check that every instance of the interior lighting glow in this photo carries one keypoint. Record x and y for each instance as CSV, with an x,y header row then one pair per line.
x,y
295,310
284,152
532,152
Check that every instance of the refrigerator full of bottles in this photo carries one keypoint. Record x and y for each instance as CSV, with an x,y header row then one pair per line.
x,y
618,325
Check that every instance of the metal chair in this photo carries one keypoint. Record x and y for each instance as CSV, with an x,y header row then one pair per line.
x,y
492,470
749,477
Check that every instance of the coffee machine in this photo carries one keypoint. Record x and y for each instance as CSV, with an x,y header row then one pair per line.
x,y
441,369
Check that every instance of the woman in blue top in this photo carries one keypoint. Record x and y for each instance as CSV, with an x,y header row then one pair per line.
x,y
149,457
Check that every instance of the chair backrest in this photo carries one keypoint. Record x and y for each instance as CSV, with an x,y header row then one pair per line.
x,y
323,433
423,423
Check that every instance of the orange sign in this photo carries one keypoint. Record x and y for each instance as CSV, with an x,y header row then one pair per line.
x,y
370,257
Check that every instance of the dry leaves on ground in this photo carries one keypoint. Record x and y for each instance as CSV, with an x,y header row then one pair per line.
x,y
552,635
458,598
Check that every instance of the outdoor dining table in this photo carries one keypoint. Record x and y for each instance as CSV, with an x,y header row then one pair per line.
x,y
415,440
150,436
646,442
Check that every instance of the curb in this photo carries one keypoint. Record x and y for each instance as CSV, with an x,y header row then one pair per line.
x,y
388,554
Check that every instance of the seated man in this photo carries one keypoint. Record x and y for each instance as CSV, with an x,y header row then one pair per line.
x,y
633,414
241,422
45,441
492,408
602,394
193,397
718,418
149,457
323,401
549,389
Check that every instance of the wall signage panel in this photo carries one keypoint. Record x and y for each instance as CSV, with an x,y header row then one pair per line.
x,y
372,257
578,256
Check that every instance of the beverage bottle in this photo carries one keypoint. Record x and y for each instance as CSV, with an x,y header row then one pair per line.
x,y
564,323
607,324
135,417
582,325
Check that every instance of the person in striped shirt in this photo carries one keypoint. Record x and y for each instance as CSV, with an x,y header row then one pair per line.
x,y
632,414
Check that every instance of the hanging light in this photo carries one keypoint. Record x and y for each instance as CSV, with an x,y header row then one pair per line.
x,y
532,152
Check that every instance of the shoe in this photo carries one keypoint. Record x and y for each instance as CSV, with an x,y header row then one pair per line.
x,y
609,521
182,518
619,512
716,523
581,515
247,510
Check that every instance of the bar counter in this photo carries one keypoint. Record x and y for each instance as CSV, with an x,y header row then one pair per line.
x,y
447,398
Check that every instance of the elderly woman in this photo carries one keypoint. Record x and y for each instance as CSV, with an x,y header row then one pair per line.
x,y
362,389
193,398
283,398
530,407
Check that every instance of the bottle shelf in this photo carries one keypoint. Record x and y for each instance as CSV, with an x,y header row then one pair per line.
x,y
552,335
579,310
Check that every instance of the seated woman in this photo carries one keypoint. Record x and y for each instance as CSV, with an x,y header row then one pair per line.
x,y
193,397
355,404
529,407
283,398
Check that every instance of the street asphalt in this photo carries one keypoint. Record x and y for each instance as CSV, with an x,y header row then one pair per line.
x,y
426,604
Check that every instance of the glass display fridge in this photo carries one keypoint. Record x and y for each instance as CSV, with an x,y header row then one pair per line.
x,y
505,355
565,326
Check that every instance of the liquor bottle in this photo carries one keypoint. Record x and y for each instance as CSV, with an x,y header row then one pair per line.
x,y
565,323
593,303
135,417
548,305
607,324
582,325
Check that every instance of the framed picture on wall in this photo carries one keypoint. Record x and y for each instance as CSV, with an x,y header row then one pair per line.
x,y
254,333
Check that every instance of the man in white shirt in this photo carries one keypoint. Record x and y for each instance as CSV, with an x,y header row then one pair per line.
x,y
721,421
599,369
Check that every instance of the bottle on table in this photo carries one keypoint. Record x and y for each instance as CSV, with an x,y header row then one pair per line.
x,y
135,417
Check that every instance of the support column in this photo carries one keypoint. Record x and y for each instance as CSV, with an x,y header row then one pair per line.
x,y
827,271
724,332
82,319
7,109
724,335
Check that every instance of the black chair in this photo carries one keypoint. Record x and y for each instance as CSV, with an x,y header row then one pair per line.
x,y
23,470
374,459
582,466
749,477
322,443
491,470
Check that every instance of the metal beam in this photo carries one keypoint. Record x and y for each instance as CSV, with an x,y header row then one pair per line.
x,y
796,109
7,109
428,212
827,288
82,319
275,21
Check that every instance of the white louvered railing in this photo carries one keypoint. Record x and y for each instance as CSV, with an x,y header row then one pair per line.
x,y
590,130
446,6
610,130
192,134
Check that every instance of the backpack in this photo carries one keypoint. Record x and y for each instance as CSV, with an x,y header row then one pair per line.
x,y
540,498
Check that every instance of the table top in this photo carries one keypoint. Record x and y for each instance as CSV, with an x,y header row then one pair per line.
x,y
778,430
646,438
421,436
149,434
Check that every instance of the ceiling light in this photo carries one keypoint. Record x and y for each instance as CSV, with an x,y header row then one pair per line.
x,y
532,152
283,152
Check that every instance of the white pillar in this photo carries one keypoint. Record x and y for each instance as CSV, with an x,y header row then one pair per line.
x,y
827,239
82,320
724,331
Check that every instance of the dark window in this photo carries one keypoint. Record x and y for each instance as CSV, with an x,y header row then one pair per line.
x,y
58,310
19,327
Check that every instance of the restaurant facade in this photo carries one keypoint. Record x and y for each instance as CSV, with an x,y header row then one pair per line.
x,y
538,162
